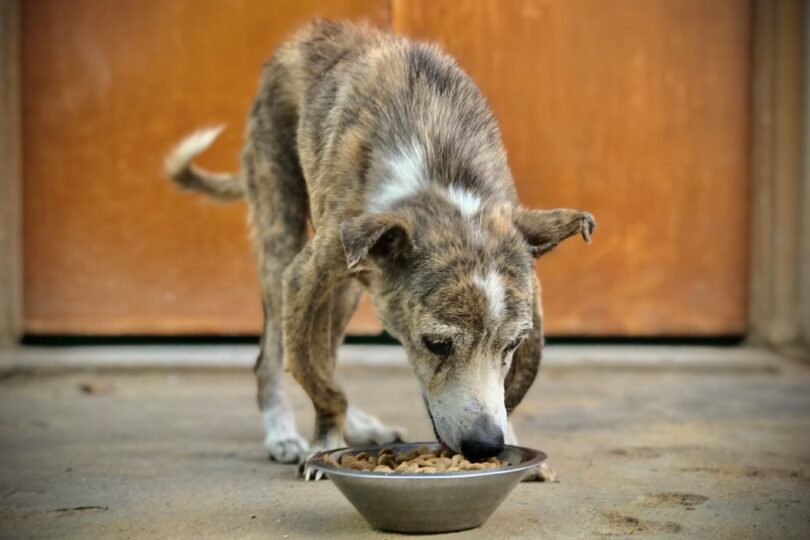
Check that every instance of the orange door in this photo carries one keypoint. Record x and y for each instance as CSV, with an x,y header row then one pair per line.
x,y
109,87
637,112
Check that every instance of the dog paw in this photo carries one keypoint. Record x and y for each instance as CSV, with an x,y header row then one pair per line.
x,y
286,450
588,225
330,442
308,472
363,428
541,473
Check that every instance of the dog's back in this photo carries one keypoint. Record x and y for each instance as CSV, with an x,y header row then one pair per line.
x,y
356,111
371,107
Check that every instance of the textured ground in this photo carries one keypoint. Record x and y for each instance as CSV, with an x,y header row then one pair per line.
x,y
177,454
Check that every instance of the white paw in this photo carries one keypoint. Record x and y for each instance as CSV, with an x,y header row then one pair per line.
x,y
542,473
286,450
282,441
363,428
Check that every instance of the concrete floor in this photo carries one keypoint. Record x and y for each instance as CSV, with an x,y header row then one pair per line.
x,y
177,454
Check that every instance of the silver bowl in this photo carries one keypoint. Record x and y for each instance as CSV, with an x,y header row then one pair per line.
x,y
428,503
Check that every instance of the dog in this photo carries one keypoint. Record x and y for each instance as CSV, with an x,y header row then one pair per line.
x,y
392,155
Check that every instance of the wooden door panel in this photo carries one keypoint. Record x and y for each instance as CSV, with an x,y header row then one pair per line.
x,y
109,86
638,111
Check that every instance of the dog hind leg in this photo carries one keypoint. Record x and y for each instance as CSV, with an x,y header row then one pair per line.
x,y
363,428
276,193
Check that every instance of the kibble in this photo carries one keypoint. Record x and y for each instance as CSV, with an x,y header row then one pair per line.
x,y
419,460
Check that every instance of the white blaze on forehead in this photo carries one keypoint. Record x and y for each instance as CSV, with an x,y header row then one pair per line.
x,y
468,203
401,175
492,285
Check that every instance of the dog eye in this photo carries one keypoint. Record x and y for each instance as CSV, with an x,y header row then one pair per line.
x,y
439,347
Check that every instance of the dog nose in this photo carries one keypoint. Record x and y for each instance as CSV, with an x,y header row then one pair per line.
x,y
478,448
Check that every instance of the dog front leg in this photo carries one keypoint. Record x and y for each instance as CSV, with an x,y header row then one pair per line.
x,y
361,428
319,382
308,285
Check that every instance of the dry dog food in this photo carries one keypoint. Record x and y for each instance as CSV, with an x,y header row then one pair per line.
x,y
418,460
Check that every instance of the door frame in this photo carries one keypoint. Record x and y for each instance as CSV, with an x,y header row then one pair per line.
x,y
779,282
11,300
779,267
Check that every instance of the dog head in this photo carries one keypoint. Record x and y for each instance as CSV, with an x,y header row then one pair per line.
x,y
455,286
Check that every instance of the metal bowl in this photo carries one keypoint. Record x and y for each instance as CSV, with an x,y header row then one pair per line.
x,y
423,502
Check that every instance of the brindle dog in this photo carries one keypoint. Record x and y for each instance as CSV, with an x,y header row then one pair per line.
x,y
391,152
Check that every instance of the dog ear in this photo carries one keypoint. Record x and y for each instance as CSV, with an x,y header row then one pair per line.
x,y
379,237
544,229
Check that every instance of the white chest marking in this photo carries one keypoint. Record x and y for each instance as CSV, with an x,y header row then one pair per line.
x,y
401,175
494,291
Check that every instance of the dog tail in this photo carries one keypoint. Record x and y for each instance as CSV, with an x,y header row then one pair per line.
x,y
187,176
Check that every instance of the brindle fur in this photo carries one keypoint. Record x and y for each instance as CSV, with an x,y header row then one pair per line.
x,y
335,103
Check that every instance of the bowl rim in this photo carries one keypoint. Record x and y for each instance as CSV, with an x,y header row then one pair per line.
x,y
536,458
